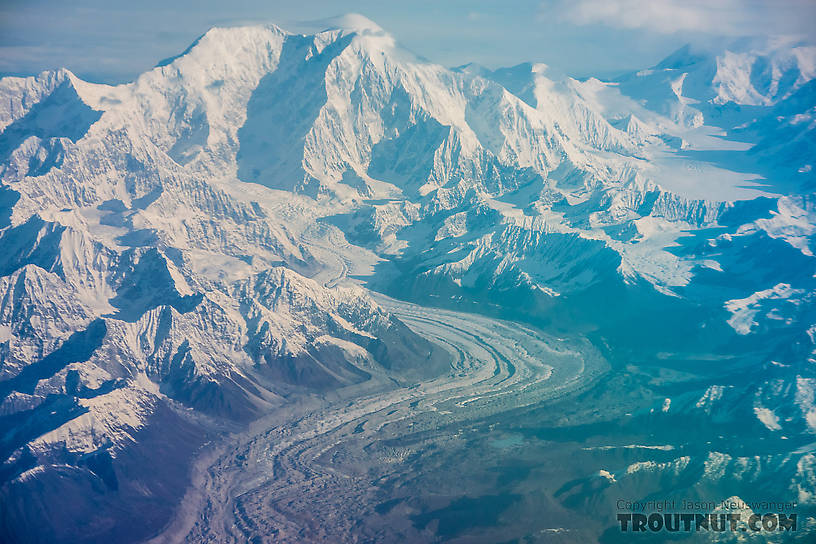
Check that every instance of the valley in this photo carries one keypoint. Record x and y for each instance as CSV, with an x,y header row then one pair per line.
x,y
322,457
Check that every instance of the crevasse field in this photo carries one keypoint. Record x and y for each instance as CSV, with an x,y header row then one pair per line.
x,y
310,288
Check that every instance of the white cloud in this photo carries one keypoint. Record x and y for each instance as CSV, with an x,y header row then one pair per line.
x,y
719,17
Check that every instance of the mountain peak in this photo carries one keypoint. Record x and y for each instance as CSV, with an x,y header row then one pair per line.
x,y
683,57
350,22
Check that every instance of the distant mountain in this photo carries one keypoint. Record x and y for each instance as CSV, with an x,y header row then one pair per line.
x,y
703,86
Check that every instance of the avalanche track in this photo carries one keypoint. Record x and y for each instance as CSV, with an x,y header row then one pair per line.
x,y
305,473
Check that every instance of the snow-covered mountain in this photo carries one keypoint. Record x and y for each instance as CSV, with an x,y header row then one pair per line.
x,y
177,251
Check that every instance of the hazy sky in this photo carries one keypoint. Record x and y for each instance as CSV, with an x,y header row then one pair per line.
x,y
112,41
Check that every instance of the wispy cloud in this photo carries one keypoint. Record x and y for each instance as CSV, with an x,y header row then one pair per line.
x,y
719,17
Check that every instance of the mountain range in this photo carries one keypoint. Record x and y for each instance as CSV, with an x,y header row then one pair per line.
x,y
190,254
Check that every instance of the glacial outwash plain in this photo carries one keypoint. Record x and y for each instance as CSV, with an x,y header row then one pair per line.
x,y
312,288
